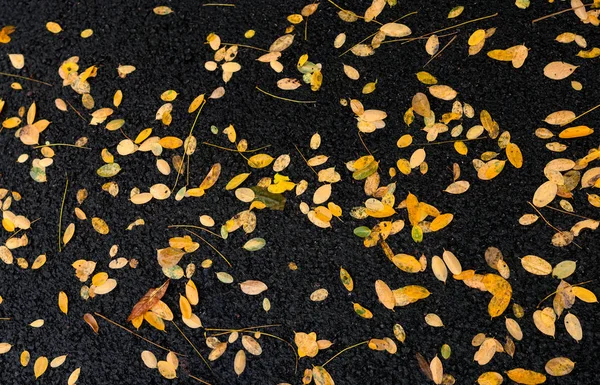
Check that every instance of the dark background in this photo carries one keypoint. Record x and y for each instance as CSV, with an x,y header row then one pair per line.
x,y
169,53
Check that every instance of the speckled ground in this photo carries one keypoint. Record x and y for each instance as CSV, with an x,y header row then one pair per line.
x,y
169,53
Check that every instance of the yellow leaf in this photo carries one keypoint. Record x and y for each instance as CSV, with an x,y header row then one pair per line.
x,y
406,263
321,376
362,311
526,377
514,155
170,142
53,27
461,147
63,302
154,320
385,294
575,132
476,37
167,370
426,78
441,221
584,294
260,160
40,366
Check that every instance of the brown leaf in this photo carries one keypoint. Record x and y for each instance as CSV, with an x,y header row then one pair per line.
x,y
149,299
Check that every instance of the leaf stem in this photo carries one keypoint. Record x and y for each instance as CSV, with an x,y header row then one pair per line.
x,y
559,12
233,149
61,144
193,346
77,112
306,161
25,78
440,51
286,99
211,246
184,149
62,206
556,291
296,358
195,227
344,350
246,46
443,29
218,5
580,115
199,380
137,335
568,213
446,142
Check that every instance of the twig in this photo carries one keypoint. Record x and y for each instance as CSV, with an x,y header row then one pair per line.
x,y
62,206
137,335
569,213
4,319
195,227
246,46
363,40
185,147
363,143
344,350
306,29
554,292
25,78
306,161
218,5
296,358
447,141
18,231
77,112
559,12
199,380
61,144
444,29
242,329
440,51
580,115
193,346
211,246
548,223
234,149
286,99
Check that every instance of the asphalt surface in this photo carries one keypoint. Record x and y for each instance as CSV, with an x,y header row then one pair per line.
x,y
169,53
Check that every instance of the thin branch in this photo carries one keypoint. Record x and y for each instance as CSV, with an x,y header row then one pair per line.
x,y
25,78
4,319
185,147
246,46
549,224
286,99
193,346
199,380
234,149
77,112
447,141
569,213
61,144
580,115
559,12
242,329
195,227
296,358
137,335
444,29
363,143
18,231
344,350
440,51
554,292
306,161
211,246
62,206
218,5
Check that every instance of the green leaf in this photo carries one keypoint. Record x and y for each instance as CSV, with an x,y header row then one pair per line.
x,y
254,244
362,231
272,201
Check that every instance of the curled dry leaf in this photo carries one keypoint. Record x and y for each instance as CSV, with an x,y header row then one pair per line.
x,y
149,299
